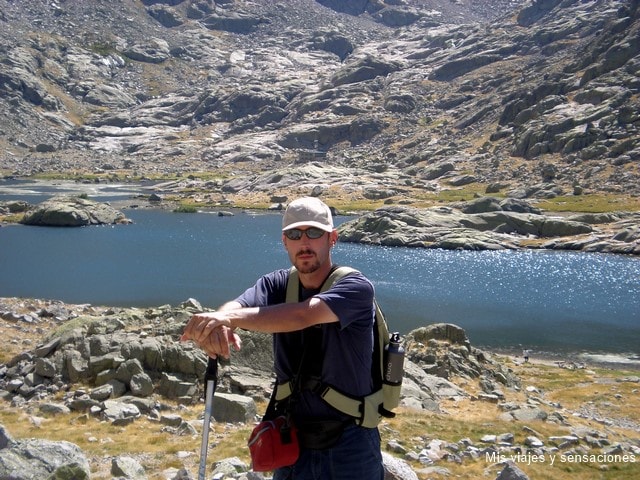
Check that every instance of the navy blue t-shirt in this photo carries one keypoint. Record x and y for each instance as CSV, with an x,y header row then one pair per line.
x,y
347,345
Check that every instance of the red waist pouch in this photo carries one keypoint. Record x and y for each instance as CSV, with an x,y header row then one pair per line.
x,y
273,444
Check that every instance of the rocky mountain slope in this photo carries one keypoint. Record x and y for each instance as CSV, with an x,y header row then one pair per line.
x,y
395,100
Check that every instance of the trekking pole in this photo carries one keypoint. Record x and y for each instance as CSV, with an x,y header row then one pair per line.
x,y
205,430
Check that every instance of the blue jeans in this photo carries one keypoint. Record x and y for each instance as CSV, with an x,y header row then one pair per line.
x,y
356,456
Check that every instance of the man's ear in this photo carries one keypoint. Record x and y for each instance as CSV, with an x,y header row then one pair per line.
x,y
333,237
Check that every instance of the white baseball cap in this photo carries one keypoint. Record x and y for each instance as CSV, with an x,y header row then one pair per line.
x,y
307,212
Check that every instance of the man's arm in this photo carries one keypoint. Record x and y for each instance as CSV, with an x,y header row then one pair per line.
x,y
204,328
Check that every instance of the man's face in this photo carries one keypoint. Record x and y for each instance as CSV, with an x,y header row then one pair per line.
x,y
310,254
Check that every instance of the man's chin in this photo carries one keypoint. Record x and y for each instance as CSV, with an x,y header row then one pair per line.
x,y
307,267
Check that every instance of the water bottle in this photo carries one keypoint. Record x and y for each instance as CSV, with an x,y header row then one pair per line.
x,y
394,360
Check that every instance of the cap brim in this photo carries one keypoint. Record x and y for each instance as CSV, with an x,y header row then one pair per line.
x,y
319,225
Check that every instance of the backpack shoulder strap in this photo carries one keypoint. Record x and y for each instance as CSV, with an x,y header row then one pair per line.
x,y
337,274
293,286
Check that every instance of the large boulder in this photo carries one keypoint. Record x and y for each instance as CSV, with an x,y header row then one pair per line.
x,y
69,211
366,68
34,458
236,22
155,50
397,469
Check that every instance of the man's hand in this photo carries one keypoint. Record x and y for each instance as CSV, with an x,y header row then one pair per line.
x,y
211,332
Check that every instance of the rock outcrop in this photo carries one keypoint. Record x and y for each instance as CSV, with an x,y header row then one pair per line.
x,y
492,224
70,211
135,353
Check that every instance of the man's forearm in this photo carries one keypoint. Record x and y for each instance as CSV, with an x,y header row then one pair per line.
x,y
286,317
232,305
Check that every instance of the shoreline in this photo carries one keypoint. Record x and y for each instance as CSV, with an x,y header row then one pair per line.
x,y
570,360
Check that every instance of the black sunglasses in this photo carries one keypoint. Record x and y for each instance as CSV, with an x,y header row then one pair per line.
x,y
311,232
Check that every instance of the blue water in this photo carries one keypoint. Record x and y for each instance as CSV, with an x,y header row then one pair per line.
x,y
546,301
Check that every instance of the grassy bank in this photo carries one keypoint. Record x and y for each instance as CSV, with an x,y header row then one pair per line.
x,y
193,197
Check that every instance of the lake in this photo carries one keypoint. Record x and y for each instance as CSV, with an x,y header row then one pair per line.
x,y
562,303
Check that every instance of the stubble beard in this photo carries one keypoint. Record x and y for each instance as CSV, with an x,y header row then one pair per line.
x,y
307,266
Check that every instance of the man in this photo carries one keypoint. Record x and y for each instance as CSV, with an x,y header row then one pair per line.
x,y
334,327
